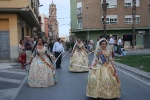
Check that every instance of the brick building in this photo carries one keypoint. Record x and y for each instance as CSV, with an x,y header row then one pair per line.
x,y
87,15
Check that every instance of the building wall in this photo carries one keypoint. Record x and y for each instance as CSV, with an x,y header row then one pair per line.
x,y
4,24
73,10
95,13
13,3
33,8
10,23
19,4
92,19
43,22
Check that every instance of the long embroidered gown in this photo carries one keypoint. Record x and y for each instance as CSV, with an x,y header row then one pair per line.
x,y
79,60
101,81
40,74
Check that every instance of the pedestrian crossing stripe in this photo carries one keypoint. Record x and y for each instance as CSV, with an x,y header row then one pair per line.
x,y
10,80
13,72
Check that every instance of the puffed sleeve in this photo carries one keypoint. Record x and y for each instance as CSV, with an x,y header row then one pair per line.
x,y
83,47
111,59
74,47
48,53
110,56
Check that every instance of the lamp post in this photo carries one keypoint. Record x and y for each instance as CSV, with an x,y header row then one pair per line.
x,y
40,5
87,24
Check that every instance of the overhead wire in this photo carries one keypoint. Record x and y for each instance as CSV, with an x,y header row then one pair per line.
x,y
75,12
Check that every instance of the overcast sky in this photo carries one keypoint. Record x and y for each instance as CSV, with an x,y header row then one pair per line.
x,y
63,14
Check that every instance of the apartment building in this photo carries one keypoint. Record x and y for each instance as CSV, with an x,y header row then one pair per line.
x,y
87,16
17,19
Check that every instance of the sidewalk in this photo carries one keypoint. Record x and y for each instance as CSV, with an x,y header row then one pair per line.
x,y
133,70
137,51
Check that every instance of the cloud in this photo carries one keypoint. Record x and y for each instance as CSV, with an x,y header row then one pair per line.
x,y
63,11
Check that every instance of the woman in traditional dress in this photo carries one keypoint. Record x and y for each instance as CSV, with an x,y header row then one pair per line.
x,y
41,72
103,81
22,54
79,59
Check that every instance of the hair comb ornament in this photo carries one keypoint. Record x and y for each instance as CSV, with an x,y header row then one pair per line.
x,y
103,39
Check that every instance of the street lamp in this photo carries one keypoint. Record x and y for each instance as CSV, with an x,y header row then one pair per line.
x,y
40,5
87,24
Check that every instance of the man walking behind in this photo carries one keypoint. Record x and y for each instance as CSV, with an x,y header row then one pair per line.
x,y
72,44
111,44
51,46
28,49
57,50
92,44
119,45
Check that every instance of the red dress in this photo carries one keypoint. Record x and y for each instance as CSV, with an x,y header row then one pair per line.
x,y
22,55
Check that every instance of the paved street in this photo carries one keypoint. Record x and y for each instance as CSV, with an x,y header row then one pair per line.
x,y
70,86
11,82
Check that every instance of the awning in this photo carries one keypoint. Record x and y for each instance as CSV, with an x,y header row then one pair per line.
x,y
108,29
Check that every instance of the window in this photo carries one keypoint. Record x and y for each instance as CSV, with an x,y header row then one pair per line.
x,y
111,19
32,3
52,12
137,19
79,8
128,3
79,23
128,19
107,20
111,3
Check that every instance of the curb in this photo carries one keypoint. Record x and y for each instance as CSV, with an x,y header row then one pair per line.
x,y
136,71
137,49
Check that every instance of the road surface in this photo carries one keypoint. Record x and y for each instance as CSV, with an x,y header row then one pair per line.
x,y
70,86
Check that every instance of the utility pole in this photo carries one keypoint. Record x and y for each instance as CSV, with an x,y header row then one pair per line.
x,y
149,24
104,6
87,24
133,23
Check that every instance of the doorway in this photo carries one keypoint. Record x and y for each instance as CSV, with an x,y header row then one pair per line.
x,y
5,45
